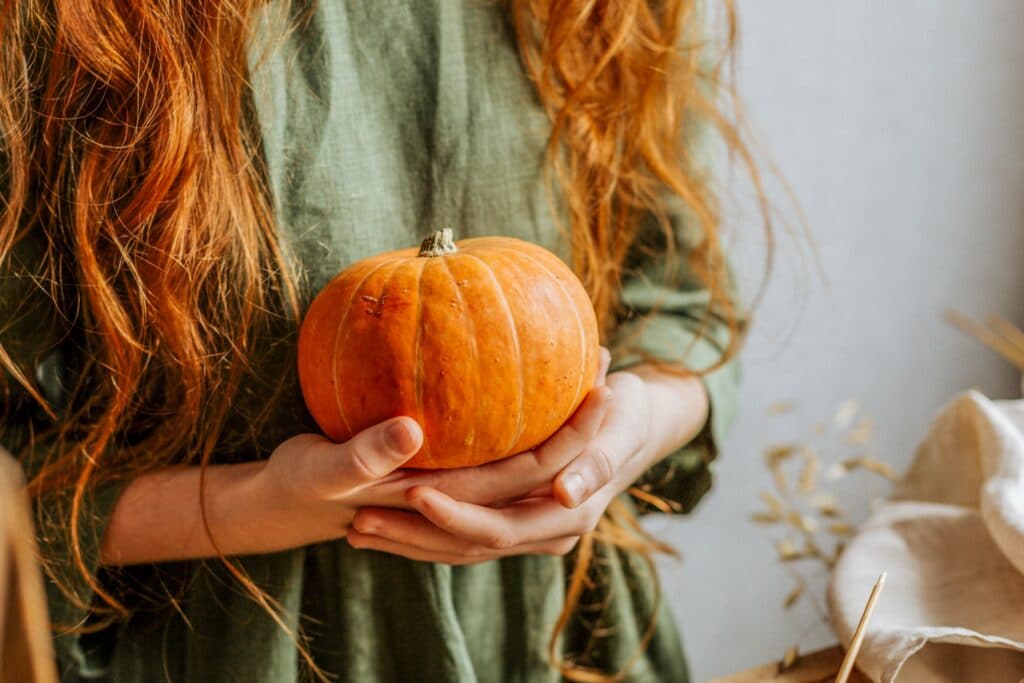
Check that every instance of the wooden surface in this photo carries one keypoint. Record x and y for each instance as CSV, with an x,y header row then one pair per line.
x,y
816,667
26,647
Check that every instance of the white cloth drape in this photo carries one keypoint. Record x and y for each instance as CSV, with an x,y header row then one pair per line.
x,y
952,540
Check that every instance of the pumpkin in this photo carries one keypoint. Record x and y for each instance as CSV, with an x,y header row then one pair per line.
x,y
490,344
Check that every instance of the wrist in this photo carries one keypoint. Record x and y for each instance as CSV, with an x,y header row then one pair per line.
x,y
286,495
679,409
254,510
229,496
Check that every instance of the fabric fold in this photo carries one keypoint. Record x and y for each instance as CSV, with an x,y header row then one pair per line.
x,y
952,540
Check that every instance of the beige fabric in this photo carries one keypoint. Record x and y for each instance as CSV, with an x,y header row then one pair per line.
x,y
952,540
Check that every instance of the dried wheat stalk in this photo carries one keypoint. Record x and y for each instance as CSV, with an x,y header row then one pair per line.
x,y
998,334
813,526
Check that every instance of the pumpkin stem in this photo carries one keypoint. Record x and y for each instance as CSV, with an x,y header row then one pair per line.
x,y
438,244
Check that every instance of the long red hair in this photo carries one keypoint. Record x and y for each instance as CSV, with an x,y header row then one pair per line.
x,y
127,144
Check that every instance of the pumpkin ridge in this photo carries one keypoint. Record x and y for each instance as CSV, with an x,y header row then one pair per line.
x,y
471,323
418,363
572,304
337,341
521,419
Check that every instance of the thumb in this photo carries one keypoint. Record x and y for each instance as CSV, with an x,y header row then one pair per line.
x,y
375,452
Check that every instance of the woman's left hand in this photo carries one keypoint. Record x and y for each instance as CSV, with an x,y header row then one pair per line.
x,y
643,423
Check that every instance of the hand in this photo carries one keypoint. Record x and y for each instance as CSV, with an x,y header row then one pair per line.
x,y
640,422
527,474
315,484
308,491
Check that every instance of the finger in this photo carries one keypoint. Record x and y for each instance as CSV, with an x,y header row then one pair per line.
x,y
369,456
570,440
412,529
597,466
539,492
587,474
520,524
515,476
604,362
521,474
368,542
377,527
536,468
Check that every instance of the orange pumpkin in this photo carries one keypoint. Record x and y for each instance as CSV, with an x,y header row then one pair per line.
x,y
490,343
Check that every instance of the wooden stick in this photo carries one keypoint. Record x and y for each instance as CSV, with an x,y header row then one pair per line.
x,y
26,644
858,635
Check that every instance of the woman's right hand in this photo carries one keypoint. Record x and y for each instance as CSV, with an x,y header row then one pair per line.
x,y
318,484
306,492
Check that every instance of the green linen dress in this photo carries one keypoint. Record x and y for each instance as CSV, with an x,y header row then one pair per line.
x,y
381,121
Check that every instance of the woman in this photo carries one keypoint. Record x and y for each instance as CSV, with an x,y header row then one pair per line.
x,y
182,177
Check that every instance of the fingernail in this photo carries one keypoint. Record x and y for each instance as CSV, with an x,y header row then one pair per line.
x,y
399,438
574,487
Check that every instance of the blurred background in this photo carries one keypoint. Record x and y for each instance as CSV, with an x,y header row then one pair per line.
x,y
897,125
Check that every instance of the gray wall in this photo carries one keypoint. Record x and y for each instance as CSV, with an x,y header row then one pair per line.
x,y
899,126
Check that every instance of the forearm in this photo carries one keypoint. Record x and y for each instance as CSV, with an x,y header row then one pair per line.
x,y
158,517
